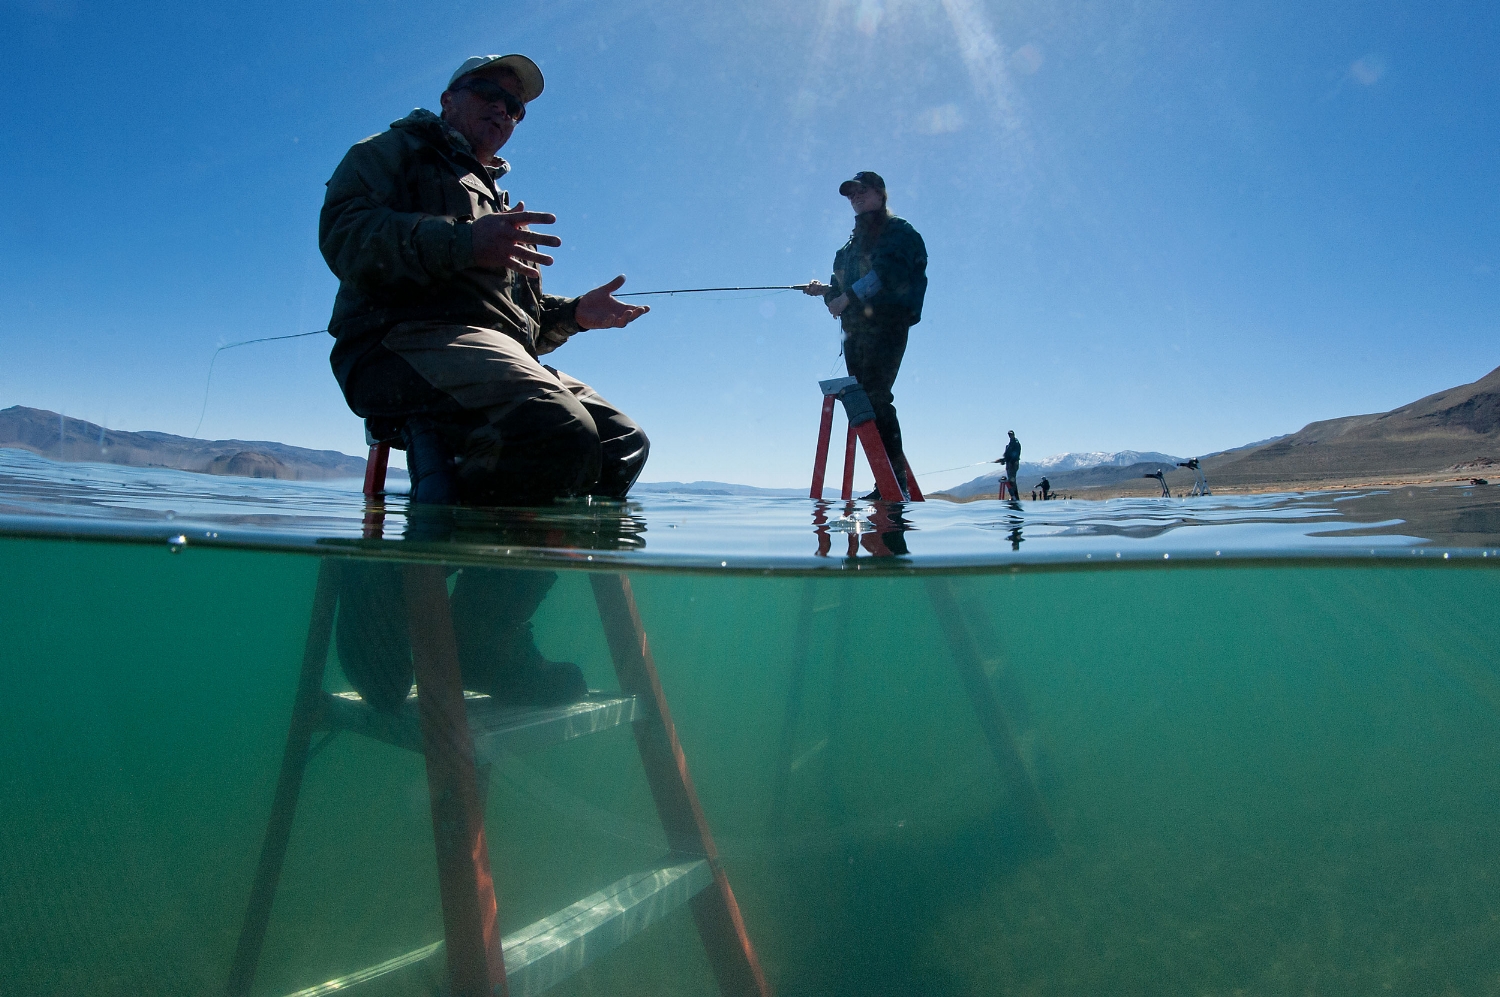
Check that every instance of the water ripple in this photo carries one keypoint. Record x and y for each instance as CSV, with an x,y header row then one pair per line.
x,y
662,529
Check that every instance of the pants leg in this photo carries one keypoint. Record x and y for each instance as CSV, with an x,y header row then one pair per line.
x,y
537,438
873,356
371,636
523,435
623,445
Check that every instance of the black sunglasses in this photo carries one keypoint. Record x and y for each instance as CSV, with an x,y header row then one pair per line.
x,y
491,92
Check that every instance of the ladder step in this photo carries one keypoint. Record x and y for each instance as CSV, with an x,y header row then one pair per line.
x,y
554,948
542,955
495,728
373,972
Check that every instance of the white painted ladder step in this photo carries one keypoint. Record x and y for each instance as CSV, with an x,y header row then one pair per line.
x,y
495,728
541,955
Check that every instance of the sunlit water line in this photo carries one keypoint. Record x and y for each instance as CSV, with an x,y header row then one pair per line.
x,y
737,533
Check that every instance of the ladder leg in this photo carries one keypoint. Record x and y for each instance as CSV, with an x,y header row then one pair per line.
x,y
820,528
715,910
305,714
848,490
992,719
820,462
911,484
803,636
880,462
838,675
470,922
375,470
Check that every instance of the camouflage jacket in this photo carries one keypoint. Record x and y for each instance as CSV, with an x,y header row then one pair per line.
x,y
397,231
898,259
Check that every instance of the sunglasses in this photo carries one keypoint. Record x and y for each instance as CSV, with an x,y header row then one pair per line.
x,y
493,93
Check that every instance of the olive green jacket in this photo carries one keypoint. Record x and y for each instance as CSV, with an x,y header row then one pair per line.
x,y
397,231
898,257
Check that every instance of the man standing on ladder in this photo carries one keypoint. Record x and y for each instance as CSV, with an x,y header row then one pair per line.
x,y
440,319
1012,459
876,291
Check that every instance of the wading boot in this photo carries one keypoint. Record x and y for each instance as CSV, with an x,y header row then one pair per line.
x,y
492,610
521,675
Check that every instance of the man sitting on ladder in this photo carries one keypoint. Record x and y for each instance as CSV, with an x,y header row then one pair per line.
x,y
440,319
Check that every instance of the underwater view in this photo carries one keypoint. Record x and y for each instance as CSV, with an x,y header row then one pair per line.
x,y
1208,746
1160,657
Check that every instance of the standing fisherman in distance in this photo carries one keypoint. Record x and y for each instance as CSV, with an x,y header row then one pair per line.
x,y
1012,459
876,291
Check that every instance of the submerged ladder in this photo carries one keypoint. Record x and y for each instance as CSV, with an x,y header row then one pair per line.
x,y
995,709
460,734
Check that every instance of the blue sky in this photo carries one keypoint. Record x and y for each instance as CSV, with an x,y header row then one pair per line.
x,y
1153,226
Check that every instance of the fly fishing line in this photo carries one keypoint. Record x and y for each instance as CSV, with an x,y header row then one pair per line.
x,y
229,346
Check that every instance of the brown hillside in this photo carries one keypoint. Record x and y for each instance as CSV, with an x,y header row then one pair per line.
x,y
1427,436
57,437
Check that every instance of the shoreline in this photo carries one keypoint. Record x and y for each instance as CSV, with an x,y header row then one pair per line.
x,y
1148,488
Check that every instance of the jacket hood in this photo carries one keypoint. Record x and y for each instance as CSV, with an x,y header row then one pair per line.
x,y
437,131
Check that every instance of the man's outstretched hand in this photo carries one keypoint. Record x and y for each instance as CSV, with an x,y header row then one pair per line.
x,y
599,309
501,240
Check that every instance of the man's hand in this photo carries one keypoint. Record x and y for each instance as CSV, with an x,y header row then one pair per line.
x,y
837,305
501,240
599,309
814,289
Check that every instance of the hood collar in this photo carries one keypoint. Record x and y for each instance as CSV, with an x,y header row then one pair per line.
x,y
439,132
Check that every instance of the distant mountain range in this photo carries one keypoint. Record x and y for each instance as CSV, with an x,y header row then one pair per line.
x,y
1453,433
1442,432
1058,463
1069,470
57,437
1456,431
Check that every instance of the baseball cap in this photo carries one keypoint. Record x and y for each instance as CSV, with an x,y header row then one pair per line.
x,y
864,178
524,68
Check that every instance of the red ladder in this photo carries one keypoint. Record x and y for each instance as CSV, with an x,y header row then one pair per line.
x,y
861,425
459,735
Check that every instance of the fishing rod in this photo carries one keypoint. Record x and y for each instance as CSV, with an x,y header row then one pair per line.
x,y
701,290
962,466
208,382
298,335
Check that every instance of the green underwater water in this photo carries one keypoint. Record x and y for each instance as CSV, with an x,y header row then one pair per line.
x,y
1263,779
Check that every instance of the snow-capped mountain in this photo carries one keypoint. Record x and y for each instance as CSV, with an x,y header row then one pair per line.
x,y
1078,461
1064,469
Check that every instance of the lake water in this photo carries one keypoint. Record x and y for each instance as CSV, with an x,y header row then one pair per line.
x,y
1260,739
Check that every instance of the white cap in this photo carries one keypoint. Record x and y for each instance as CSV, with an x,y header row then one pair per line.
x,y
524,68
